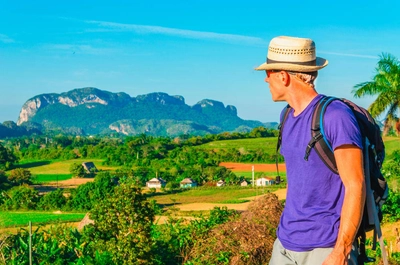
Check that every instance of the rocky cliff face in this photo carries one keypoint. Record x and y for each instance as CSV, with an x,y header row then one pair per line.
x,y
212,105
84,96
161,98
94,111
31,107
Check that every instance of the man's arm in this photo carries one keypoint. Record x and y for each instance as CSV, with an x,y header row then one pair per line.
x,y
349,160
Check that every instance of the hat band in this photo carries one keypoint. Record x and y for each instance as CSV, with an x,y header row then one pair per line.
x,y
310,63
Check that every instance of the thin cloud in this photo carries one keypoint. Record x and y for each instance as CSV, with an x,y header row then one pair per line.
x,y
77,49
183,33
350,55
6,39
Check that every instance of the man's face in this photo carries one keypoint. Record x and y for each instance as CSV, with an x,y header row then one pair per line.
x,y
275,86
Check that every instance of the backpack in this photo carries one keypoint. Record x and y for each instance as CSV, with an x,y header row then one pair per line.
x,y
374,154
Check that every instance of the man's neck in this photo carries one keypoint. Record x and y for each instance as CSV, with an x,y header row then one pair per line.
x,y
301,98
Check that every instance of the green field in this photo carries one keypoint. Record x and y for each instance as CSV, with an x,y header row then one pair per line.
x,y
267,144
228,194
14,219
57,167
391,144
43,178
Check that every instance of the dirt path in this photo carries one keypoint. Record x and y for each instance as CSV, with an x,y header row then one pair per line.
x,y
69,183
63,184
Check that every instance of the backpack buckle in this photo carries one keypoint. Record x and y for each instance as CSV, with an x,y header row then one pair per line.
x,y
318,136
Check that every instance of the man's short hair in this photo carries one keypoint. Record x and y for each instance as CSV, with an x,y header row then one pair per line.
x,y
307,78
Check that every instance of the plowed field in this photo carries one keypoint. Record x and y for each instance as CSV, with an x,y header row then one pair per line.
x,y
248,167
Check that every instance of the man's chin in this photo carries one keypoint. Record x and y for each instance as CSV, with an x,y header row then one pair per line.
x,y
277,100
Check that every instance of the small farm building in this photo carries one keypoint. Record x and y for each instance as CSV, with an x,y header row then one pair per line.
x,y
156,183
188,183
220,183
265,181
244,183
89,167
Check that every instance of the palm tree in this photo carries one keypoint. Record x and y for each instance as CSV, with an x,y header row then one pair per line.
x,y
385,84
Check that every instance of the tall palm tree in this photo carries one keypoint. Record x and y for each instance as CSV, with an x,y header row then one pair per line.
x,y
385,84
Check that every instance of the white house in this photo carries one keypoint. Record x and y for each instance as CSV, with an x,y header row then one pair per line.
x,y
244,183
156,183
220,183
264,181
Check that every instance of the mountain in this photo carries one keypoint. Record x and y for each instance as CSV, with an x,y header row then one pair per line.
x,y
93,111
11,129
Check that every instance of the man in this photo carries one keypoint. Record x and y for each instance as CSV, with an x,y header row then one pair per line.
x,y
323,210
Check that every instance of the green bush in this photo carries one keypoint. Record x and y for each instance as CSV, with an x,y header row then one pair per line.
x,y
122,225
89,194
77,170
52,200
391,209
81,197
20,176
21,197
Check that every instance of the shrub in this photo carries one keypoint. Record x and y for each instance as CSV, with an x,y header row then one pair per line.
x,y
77,170
122,225
20,176
53,200
21,197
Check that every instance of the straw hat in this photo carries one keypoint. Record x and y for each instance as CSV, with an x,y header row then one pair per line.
x,y
292,54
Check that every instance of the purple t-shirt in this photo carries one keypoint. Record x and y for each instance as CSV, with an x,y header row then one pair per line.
x,y
315,194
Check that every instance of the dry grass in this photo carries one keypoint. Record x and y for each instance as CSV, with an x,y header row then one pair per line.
x,y
248,240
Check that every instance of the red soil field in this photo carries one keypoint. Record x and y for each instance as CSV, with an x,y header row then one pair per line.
x,y
240,167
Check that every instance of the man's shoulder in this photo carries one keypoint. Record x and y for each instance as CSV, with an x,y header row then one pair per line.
x,y
337,108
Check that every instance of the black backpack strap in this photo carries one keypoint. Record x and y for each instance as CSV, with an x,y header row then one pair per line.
x,y
318,139
280,128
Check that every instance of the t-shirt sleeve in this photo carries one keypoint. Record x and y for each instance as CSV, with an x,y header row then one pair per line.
x,y
340,126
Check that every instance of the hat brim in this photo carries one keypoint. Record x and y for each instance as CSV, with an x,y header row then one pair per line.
x,y
320,63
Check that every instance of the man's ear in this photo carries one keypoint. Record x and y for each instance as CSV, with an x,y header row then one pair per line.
x,y
284,77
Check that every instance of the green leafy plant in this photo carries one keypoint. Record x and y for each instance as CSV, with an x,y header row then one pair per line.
x,y
122,225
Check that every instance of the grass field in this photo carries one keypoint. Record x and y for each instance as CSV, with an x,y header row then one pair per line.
x,y
234,194
58,167
43,178
267,144
14,219
391,144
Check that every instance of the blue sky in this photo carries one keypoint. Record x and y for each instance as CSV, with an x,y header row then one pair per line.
x,y
196,49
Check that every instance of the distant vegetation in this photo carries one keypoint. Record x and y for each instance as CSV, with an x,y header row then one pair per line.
x,y
172,159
